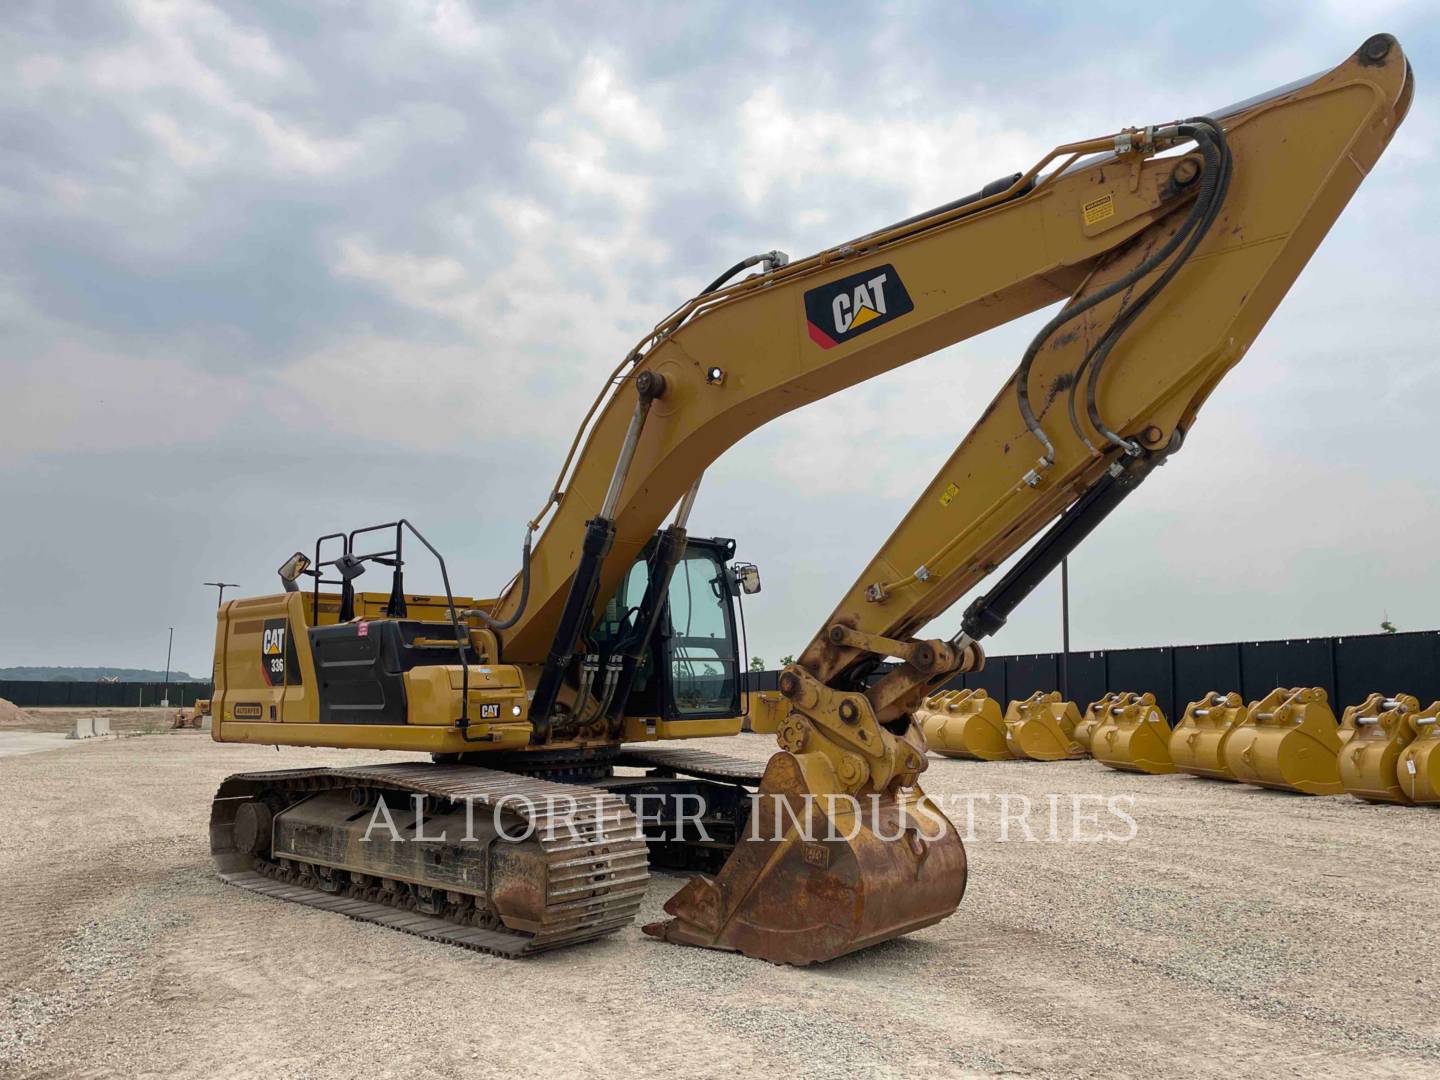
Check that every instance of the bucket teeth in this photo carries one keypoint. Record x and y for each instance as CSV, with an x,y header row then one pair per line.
x,y
1042,728
964,724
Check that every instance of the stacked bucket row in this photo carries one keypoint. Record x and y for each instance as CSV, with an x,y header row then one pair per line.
x,y
1385,749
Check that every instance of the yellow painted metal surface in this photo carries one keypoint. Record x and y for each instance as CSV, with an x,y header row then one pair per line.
x,y
1289,740
766,710
1133,735
1197,745
1042,727
1094,713
1418,766
964,724
649,729
1370,759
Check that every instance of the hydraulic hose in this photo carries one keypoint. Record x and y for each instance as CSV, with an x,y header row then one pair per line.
x,y
771,259
1022,376
505,624
1214,185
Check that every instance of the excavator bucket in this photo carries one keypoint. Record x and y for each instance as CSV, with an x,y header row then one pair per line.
x,y
1042,728
964,724
1133,735
1370,757
814,878
1289,740
1197,745
1369,709
765,709
1091,720
1418,765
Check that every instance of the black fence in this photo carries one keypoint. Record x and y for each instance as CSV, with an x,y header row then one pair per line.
x,y
1348,668
61,693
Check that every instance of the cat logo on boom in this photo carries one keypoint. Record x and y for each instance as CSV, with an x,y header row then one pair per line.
x,y
842,309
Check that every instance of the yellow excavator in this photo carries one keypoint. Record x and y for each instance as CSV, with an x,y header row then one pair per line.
x,y
551,711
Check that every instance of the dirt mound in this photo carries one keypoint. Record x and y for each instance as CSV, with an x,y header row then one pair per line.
x,y
11,713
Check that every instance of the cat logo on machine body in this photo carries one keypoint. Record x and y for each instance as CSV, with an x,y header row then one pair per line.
x,y
847,307
278,664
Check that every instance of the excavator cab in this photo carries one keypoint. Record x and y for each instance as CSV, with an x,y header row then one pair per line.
x,y
691,667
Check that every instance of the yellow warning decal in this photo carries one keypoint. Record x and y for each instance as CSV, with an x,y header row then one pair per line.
x,y
1097,210
948,494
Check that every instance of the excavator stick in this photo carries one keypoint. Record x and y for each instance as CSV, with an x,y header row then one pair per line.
x,y
1289,740
1418,767
964,724
1197,745
815,877
1370,759
1042,728
1133,736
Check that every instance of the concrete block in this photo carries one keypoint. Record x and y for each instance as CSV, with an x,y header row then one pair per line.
x,y
206,722
102,725
84,728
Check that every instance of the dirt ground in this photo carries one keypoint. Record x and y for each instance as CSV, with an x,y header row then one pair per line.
x,y
1239,933
147,720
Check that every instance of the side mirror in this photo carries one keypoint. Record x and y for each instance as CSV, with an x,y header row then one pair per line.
x,y
291,570
746,577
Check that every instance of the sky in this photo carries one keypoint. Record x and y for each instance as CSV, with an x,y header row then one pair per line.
x,y
274,270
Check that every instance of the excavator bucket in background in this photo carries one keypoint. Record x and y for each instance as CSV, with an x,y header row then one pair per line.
x,y
1133,735
1042,728
1092,718
765,710
964,724
1197,745
1418,766
1370,758
1371,707
798,889
1289,740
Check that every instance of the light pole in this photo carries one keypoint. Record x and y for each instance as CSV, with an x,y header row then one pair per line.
x,y
1065,629
165,694
222,586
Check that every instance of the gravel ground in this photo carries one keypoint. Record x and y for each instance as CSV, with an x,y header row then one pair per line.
x,y
1237,934
147,721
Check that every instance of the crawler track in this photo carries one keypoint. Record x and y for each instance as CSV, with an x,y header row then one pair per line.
x,y
594,859
702,764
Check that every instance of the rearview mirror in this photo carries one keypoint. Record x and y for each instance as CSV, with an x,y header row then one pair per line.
x,y
291,570
746,577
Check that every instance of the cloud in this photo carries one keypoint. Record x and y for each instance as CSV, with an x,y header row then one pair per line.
x,y
265,268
